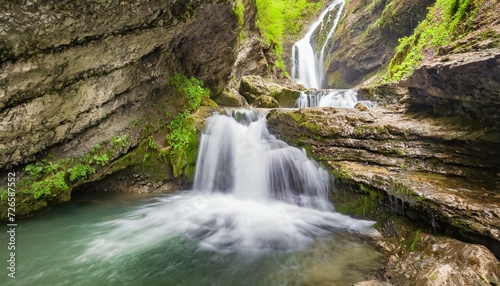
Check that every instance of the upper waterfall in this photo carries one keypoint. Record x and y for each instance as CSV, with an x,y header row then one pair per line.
x,y
307,57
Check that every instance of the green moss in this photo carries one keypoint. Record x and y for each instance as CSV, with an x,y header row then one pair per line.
x,y
50,186
340,173
239,11
363,130
446,21
361,202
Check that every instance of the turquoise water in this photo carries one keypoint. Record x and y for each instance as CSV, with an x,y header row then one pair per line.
x,y
102,239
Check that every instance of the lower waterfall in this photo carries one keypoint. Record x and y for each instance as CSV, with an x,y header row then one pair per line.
x,y
252,193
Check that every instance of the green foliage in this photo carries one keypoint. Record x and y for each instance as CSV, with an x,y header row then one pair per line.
x,y
182,137
239,11
34,170
191,88
446,21
50,185
101,159
120,141
80,171
280,18
183,141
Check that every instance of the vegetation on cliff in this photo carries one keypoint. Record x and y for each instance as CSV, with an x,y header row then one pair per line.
x,y
446,21
182,138
278,19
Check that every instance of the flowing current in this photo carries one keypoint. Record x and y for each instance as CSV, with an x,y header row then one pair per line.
x,y
307,56
252,193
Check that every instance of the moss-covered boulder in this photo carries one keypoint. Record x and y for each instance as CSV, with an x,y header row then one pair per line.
x,y
265,101
252,87
230,98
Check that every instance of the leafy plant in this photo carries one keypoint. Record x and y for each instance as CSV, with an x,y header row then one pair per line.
x,y
101,159
80,171
50,185
191,88
35,170
182,137
51,167
120,140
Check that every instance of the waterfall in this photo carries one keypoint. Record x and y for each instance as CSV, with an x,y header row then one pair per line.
x,y
307,59
252,193
308,56
243,159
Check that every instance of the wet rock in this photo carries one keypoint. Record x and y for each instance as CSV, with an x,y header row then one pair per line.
x,y
230,98
361,107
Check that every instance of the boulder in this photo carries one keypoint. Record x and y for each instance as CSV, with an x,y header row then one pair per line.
x,y
252,87
265,101
230,98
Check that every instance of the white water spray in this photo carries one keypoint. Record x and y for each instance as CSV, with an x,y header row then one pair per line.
x,y
340,98
307,60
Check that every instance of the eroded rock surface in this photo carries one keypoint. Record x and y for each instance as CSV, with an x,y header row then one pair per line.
x,y
67,66
467,84
439,172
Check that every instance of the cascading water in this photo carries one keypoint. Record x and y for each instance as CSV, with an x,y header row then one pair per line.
x,y
242,158
341,98
307,58
252,192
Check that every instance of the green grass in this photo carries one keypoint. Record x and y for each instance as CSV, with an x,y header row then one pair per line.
x,y
278,19
446,21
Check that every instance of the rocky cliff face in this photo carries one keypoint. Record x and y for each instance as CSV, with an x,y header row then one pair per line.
x,y
441,172
367,36
67,67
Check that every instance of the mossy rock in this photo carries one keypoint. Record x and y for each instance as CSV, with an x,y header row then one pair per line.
x,y
265,101
230,98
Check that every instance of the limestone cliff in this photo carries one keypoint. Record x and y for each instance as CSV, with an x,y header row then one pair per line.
x,y
71,66
367,36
